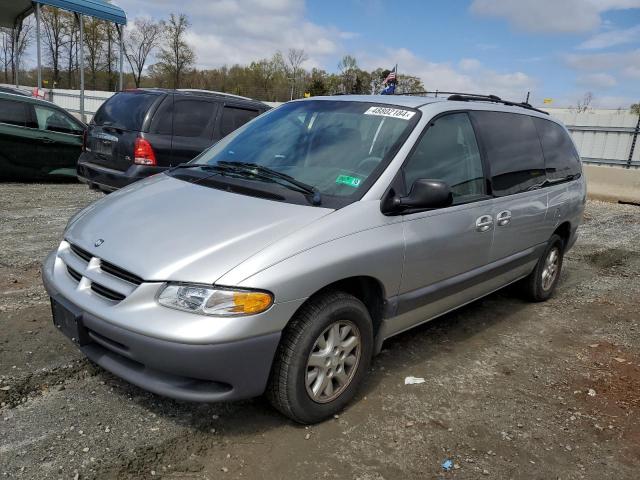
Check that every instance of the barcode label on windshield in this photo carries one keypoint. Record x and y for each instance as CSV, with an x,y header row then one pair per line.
x,y
390,112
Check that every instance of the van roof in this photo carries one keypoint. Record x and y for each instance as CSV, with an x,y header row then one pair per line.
x,y
401,100
424,98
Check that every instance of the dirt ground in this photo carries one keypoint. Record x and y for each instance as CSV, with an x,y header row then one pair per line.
x,y
513,389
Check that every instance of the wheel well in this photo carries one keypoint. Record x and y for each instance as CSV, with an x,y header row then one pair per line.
x,y
564,232
366,289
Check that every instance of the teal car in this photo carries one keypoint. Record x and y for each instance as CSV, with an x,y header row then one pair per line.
x,y
38,140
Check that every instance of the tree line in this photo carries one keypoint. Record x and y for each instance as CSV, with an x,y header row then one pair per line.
x,y
277,78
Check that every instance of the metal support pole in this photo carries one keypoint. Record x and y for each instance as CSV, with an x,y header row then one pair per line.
x,y
121,36
81,54
633,142
38,47
16,51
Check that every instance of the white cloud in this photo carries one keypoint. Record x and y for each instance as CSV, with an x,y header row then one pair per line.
x,y
556,16
469,64
469,75
597,80
225,32
612,38
632,71
597,62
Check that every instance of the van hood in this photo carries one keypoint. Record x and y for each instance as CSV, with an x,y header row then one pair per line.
x,y
167,229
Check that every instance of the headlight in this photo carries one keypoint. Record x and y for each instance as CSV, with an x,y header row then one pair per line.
x,y
218,301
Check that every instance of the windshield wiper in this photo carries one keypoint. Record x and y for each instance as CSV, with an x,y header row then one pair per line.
x,y
267,173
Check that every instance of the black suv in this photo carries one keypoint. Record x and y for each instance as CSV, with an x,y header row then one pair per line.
x,y
137,133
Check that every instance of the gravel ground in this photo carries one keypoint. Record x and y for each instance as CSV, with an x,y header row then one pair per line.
x,y
513,389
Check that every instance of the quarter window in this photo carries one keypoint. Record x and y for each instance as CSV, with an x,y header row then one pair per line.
x,y
448,151
234,118
513,150
560,156
13,113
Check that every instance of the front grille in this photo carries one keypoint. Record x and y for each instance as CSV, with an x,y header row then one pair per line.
x,y
83,254
76,275
104,278
111,269
107,292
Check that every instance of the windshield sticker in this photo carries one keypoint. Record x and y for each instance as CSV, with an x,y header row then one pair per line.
x,y
390,112
347,180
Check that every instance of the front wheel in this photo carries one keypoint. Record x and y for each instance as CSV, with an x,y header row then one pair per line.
x,y
541,283
323,356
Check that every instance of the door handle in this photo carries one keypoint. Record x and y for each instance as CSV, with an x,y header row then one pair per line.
x,y
503,218
46,140
484,223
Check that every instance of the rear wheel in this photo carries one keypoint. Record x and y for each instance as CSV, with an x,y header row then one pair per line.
x,y
322,358
541,283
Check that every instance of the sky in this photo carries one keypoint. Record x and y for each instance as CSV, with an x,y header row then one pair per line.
x,y
558,49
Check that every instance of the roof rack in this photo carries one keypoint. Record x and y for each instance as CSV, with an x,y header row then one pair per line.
x,y
475,97
212,92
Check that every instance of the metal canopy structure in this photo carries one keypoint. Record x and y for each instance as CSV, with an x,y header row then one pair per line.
x,y
13,13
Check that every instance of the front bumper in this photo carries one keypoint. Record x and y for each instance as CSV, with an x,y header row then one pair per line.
x,y
230,370
109,179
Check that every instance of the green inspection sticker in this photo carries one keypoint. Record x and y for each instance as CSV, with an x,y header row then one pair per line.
x,y
348,180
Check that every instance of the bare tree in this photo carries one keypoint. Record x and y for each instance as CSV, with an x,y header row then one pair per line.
x,y
140,42
635,108
17,46
348,67
94,46
70,47
176,56
295,58
585,103
5,52
110,55
55,36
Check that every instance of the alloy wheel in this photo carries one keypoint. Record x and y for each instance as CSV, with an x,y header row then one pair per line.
x,y
550,269
333,361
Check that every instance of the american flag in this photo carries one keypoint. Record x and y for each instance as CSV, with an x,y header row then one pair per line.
x,y
391,78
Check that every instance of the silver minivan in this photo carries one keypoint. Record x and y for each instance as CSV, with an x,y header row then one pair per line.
x,y
280,259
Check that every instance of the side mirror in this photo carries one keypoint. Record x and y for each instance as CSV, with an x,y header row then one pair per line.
x,y
425,193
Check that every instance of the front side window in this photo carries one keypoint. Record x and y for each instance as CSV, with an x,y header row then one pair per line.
x,y
448,152
55,121
336,147
13,113
513,151
561,159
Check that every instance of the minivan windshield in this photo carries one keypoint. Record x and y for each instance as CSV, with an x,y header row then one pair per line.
x,y
125,110
337,148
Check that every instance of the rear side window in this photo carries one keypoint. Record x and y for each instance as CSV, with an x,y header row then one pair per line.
x,y
13,113
125,110
55,121
233,118
162,123
561,158
448,151
193,117
513,149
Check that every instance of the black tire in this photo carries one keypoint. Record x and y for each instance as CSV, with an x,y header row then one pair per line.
x,y
534,285
287,389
